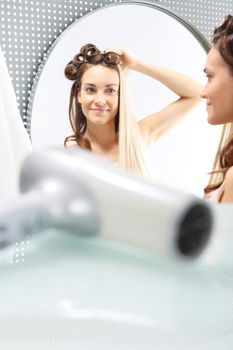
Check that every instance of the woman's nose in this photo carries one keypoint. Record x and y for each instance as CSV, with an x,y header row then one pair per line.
x,y
203,93
100,99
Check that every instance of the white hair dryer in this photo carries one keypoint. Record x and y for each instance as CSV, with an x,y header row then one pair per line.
x,y
75,190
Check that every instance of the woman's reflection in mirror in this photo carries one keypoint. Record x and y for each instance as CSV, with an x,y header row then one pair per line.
x,y
218,93
100,110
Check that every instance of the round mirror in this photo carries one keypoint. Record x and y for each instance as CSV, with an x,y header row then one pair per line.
x,y
183,157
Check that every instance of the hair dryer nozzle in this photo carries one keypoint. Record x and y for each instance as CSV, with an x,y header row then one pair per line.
x,y
194,230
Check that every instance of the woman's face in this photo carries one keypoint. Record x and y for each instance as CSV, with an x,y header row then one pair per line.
x,y
218,91
98,94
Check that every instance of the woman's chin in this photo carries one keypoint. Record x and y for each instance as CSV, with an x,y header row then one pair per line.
x,y
213,121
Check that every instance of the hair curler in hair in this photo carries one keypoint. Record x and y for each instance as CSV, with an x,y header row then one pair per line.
x,y
77,191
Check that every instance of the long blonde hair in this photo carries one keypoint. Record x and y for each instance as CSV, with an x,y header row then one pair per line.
x,y
131,147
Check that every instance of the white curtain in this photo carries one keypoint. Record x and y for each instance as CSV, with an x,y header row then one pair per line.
x,y
14,140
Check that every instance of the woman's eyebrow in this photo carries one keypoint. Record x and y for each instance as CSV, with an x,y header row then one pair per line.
x,y
112,85
90,84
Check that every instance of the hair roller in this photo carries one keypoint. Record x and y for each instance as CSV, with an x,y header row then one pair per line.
x,y
78,59
71,71
91,54
90,50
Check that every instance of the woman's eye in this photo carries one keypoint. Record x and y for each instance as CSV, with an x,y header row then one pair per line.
x,y
90,90
111,91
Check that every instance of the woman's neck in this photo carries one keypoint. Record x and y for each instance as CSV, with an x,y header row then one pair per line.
x,y
104,140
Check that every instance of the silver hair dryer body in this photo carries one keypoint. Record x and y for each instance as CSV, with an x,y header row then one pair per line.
x,y
78,191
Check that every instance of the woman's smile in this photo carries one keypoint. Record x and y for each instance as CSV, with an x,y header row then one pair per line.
x,y
99,110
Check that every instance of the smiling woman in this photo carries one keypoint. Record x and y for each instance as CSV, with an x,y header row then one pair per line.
x,y
179,156
98,97
219,99
94,102
100,114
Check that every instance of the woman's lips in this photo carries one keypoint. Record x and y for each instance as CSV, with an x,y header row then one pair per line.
x,y
99,110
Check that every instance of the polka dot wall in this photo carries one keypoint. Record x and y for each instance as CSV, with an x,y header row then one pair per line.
x,y
29,27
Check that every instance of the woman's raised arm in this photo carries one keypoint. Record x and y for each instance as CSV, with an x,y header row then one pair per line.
x,y
186,88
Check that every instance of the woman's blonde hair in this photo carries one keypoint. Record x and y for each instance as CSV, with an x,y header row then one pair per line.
x,y
131,147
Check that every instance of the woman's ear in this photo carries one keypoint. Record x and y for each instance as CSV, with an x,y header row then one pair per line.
x,y
79,97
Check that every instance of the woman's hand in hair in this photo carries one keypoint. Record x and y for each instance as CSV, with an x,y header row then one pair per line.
x,y
128,58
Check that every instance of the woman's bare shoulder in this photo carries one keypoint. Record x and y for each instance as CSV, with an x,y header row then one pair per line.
x,y
70,144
